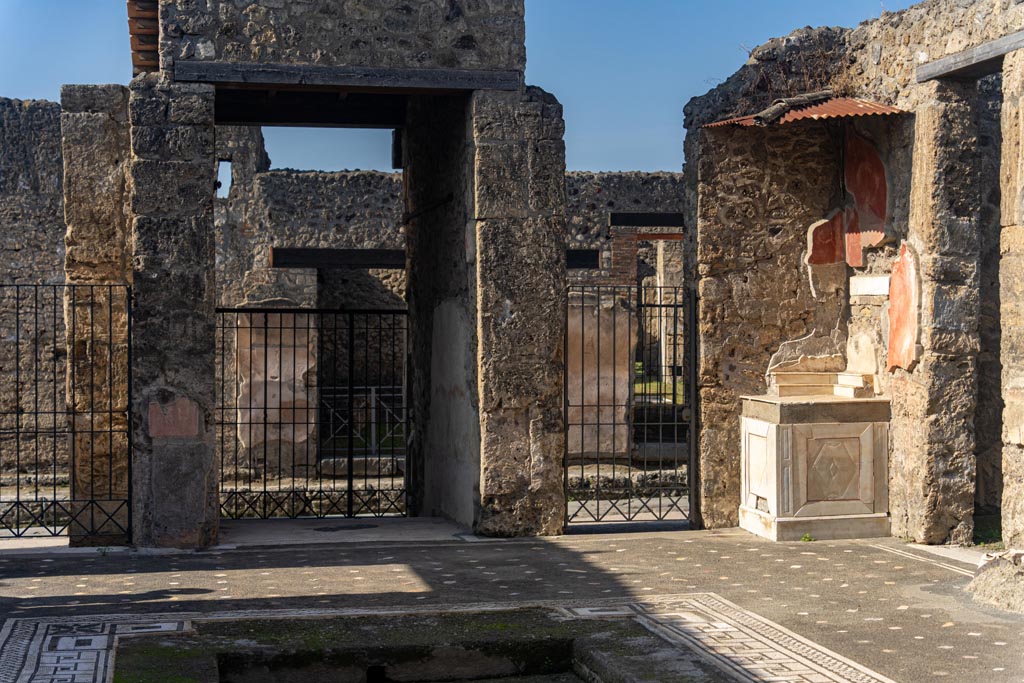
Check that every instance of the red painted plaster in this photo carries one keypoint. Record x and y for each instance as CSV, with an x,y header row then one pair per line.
x,y
826,241
866,183
904,296
178,419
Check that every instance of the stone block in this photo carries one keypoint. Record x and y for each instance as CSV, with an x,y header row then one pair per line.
x,y
502,180
147,108
192,109
95,99
182,510
186,187
1013,495
546,163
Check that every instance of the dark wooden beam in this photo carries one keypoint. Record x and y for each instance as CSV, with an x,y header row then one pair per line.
x,y
337,258
646,220
976,62
236,106
582,259
396,149
350,77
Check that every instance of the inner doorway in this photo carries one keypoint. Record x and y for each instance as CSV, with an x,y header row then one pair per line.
x,y
312,412
630,394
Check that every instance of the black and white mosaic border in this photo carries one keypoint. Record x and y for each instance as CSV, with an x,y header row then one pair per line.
x,y
737,641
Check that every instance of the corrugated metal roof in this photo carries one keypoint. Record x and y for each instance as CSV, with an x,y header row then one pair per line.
x,y
831,108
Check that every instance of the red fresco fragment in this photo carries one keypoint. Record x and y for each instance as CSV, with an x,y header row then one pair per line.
x,y
826,241
866,182
854,238
179,419
903,305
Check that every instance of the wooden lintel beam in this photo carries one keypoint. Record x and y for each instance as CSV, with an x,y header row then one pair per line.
x,y
236,106
372,78
646,220
337,258
975,62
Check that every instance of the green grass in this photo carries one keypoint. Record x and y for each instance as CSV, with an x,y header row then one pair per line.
x,y
651,387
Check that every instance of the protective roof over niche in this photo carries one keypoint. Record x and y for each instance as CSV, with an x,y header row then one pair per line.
x,y
812,106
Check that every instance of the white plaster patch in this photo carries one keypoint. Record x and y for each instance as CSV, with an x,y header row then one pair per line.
x,y
869,285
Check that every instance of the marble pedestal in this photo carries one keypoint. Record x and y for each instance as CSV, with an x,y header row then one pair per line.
x,y
815,465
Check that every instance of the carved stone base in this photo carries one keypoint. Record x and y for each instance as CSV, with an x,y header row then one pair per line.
x,y
815,466
816,528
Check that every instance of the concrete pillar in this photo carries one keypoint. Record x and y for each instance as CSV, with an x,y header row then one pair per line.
x,y
171,183
95,142
1011,291
932,463
518,209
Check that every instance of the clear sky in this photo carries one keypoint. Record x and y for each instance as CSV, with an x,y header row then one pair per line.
x,y
623,69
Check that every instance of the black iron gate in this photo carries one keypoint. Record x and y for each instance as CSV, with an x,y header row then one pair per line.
x,y
311,412
630,394
65,388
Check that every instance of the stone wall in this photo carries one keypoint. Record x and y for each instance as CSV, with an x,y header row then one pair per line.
x,y
305,209
31,193
759,191
32,370
1011,296
933,427
590,197
461,34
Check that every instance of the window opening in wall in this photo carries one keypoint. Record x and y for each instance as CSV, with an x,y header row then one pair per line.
x,y
223,179
329,149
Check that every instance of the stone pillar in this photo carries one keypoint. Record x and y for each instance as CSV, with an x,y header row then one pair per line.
x,y
932,462
519,211
95,142
1011,292
171,184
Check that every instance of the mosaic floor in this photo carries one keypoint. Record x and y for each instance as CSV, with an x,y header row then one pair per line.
x,y
737,641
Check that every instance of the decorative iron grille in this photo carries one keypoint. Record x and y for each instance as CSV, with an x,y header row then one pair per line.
x,y
311,412
629,399
65,390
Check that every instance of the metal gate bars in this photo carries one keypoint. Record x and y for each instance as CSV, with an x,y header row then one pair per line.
x,y
311,412
629,395
65,383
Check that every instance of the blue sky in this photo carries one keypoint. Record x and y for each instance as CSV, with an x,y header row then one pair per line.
x,y
623,69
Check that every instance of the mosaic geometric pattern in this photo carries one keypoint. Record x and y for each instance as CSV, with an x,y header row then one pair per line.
x,y
737,641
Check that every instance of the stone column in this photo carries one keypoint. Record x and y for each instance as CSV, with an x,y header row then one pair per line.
x,y
932,463
1011,291
171,184
95,142
519,200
